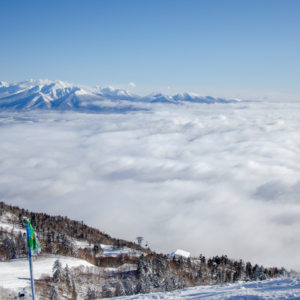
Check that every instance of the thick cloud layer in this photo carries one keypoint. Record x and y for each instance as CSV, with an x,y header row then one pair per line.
x,y
210,179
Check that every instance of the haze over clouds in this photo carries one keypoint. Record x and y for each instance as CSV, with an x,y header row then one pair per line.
x,y
211,179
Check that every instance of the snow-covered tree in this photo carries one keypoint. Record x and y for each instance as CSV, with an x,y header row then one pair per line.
x,y
107,290
167,285
182,282
156,282
10,247
120,289
283,272
129,287
54,293
57,270
67,244
143,286
159,266
200,273
258,273
91,294
67,275
143,268
173,283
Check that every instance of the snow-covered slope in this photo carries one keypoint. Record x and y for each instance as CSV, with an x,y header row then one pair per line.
x,y
109,250
14,274
112,93
288,288
56,95
158,97
191,97
45,94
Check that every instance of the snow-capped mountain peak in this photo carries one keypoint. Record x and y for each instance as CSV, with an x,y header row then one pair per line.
x,y
110,91
188,96
4,84
158,97
47,94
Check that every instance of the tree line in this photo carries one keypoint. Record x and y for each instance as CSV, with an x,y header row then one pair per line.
x,y
151,272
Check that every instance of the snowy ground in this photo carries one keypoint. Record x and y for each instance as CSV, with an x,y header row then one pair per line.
x,y
6,222
109,250
14,274
288,288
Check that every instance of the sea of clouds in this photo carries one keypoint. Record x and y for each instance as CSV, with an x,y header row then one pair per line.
x,y
212,179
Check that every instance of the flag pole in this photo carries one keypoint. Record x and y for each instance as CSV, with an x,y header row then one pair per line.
x,y
30,259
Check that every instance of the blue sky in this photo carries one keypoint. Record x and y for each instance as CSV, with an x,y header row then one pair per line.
x,y
246,49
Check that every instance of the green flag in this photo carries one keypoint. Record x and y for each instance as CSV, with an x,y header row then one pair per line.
x,y
32,240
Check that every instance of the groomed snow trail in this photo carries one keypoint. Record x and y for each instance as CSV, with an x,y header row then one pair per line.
x,y
288,288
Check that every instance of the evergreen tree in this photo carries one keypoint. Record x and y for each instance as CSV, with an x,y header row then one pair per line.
x,y
143,286
128,285
120,289
107,291
54,293
173,283
249,270
257,273
67,277
283,272
57,270
24,248
156,282
67,244
168,285
160,266
91,294
200,273
10,247
182,283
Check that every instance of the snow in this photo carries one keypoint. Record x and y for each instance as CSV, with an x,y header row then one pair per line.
x,y
9,227
110,91
46,94
287,288
185,96
179,253
14,274
122,268
108,250
4,84
7,223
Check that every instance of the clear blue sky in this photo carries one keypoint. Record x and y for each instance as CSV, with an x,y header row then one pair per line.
x,y
244,48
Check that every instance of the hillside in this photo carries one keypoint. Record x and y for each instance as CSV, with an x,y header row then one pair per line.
x,y
92,264
58,235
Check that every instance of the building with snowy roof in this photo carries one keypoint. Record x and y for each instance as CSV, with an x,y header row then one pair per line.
x,y
179,253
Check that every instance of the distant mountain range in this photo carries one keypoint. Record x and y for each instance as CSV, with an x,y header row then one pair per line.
x,y
45,94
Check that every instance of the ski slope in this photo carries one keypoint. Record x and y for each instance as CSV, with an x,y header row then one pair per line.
x,y
287,288
14,274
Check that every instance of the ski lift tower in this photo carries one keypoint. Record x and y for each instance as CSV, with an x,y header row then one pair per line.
x,y
139,239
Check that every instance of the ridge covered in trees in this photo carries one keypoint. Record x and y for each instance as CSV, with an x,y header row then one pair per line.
x,y
56,235
151,272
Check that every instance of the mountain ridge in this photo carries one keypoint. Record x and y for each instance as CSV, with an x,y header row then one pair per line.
x,y
60,95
